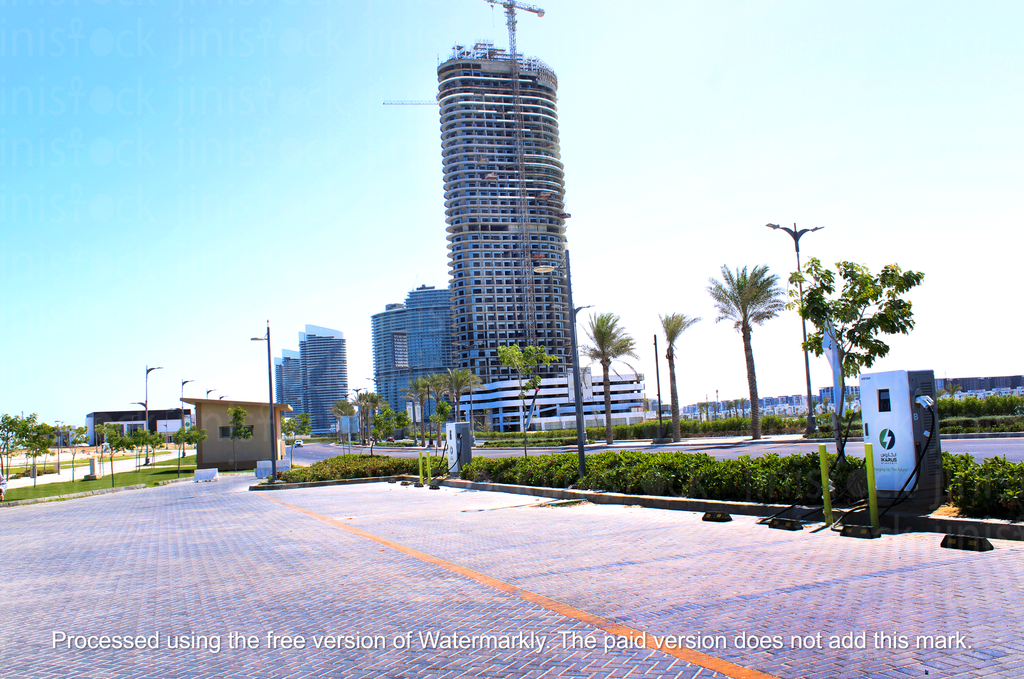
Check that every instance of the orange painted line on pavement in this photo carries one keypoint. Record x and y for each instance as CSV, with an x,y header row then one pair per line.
x,y
607,626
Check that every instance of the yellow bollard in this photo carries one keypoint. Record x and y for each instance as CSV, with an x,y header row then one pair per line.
x,y
826,495
869,465
421,467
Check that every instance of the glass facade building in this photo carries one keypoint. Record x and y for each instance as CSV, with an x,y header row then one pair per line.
x,y
411,340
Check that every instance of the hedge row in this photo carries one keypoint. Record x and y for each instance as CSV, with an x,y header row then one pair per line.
x,y
993,488
975,407
771,478
359,467
731,426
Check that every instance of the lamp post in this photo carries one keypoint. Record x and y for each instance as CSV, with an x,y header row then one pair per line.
x,y
796,235
270,402
360,407
578,393
148,370
223,397
181,405
208,392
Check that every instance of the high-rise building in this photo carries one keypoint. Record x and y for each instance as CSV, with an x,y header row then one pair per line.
x,y
324,374
411,340
505,208
288,380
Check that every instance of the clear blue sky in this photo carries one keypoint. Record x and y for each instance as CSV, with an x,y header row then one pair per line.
x,y
173,176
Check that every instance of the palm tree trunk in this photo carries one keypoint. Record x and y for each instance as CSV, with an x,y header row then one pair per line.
x,y
670,355
608,437
755,410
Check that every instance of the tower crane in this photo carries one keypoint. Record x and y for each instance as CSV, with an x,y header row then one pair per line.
x,y
517,106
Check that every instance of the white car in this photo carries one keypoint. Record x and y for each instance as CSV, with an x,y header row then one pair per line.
x,y
298,443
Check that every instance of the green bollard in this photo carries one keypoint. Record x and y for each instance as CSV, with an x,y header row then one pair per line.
x,y
421,467
826,495
869,465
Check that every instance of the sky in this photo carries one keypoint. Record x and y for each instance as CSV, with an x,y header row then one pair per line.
x,y
174,175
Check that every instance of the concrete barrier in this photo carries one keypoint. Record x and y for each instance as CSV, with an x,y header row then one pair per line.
x,y
206,475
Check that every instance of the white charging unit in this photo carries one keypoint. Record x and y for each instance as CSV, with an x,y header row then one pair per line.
x,y
459,444
901,428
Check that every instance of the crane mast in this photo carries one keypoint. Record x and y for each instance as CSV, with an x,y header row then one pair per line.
x,y
520,143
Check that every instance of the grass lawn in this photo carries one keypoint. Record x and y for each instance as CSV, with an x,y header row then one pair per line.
x,y
149,476
187,461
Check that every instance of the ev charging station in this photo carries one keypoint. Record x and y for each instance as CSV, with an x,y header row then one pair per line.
x,y
459,445
901,421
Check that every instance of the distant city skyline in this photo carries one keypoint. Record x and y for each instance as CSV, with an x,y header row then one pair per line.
x,y
162,199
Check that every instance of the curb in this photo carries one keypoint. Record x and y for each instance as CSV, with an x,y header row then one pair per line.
x,y
70,496
897,522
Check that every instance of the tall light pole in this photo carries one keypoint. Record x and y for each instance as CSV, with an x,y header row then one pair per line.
x,y
270,401
578,392
181,406
796,235
360,407
208,392
148,370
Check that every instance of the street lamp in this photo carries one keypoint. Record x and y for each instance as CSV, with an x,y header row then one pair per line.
x,y
208,392
580,436
796,235
148,370
223,397
360,407
181,406
270,387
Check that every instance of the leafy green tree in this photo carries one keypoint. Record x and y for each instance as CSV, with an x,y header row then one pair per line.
x,y
116,442
747,299
76,437
865,307
674,325
238,430
525,360
610,343
385,421
13,432
37,442
438,383
441,411
419,389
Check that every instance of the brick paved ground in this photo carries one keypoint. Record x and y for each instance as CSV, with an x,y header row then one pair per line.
x,y
211,559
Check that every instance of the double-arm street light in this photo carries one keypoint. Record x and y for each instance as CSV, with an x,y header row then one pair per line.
x,y
181,406
796,235
146,404
270,400
578,393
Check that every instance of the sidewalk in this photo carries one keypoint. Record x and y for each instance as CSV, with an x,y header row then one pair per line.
x,y
125,465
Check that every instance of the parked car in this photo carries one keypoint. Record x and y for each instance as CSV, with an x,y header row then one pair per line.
x,y
298,443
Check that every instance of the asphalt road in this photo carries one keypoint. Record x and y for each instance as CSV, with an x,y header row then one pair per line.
x,y
730,449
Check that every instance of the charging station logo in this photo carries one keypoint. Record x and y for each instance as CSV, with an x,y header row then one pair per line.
x,y
887,439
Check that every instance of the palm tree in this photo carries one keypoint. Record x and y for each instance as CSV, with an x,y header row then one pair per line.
x,y
419,389
610,342
459,382
674,325
950,389
342,409
439,385
747,299
368,402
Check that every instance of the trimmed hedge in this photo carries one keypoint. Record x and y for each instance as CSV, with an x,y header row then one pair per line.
x,y
731,426
993,488
975,407
359,467
770,478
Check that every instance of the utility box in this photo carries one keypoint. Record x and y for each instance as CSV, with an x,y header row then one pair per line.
x,y
459,445
902,429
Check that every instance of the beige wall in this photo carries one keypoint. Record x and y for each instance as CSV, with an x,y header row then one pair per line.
x,y
215,451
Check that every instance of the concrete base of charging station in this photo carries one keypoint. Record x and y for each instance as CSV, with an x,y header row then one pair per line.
x,y
893,522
